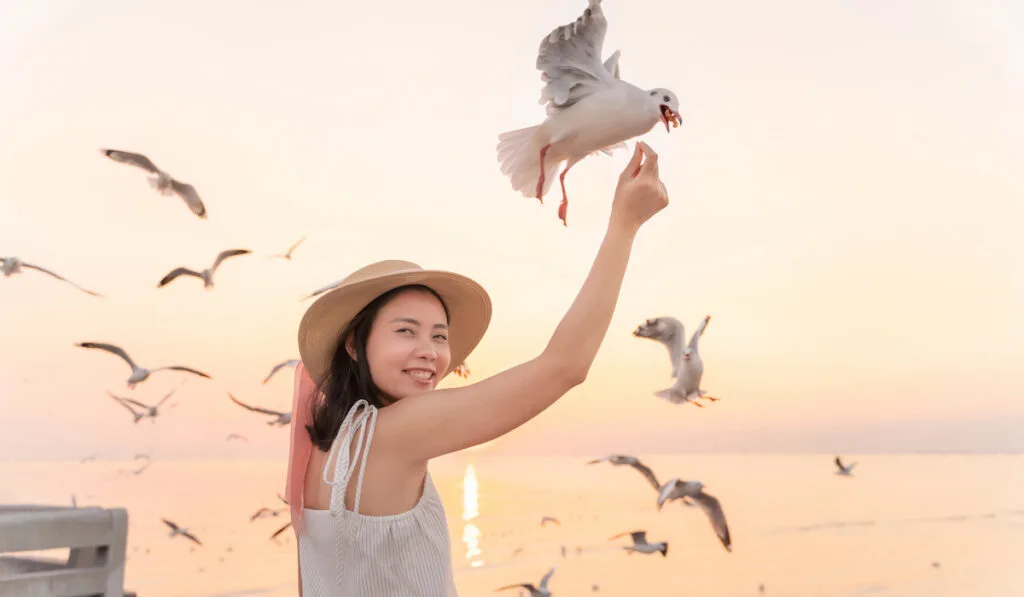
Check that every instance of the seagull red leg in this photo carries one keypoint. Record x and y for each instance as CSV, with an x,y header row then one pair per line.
x,y
540,181
564,205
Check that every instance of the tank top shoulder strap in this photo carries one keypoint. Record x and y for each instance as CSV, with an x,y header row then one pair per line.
x,y
358,424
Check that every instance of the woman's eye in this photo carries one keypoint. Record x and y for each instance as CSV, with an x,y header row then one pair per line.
x,y
400,330
441,337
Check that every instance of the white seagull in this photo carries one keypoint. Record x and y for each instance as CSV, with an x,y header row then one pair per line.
x,y
589,108
633,461
176,530
160,180
288,255
322,290
207,274
687,366
283,418
13,265
139,374
676,489
641,545
279,366
145,410
122,401
538,591
844,471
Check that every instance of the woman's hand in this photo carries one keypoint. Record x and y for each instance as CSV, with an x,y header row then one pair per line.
x,y
640,193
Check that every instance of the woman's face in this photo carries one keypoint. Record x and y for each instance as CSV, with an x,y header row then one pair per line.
x,y
408,348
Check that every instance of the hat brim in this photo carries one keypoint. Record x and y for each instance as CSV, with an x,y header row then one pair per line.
x,y
469,308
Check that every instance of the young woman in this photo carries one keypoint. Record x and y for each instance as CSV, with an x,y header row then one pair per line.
x,y
367,517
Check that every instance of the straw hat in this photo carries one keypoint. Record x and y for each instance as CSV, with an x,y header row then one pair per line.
x,y
468,304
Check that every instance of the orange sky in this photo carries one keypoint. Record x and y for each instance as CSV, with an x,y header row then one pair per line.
x,y
847,197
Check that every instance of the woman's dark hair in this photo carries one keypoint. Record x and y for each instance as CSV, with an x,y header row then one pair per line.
x,y
348,380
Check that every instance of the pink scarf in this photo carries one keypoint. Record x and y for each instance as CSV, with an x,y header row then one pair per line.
x,y
301,446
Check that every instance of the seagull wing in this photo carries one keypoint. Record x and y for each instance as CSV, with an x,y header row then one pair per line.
x,y
569,59
320,291
185,369
700,332
109,348
668,491
279,366
647,473
710,505
61,278
639,537
180,271
229,253
192,537
280,530
188,194
253,408
546,578
132,159
295,246
528,586
258,512
123,402
173,526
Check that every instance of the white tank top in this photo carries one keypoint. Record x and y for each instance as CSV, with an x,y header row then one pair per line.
x,y
343,553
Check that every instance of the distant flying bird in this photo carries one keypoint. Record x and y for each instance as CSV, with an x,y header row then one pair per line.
x,y
207,274
538,591
546,519
640,543
123,402
139,374
283,418
279,366
232,436
176,530
145,409
844,471
288,255
633,461
687,366
163,182
694,490
13,265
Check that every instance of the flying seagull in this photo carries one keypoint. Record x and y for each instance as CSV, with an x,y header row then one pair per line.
x,y
122,401
163,182
641,545
844,471
139,374
281,530
546,519
322,290
207,274
288,255
176,530
633,461
145,409
677,489
590,109
538,591
13,265
279,366
687,366
283,418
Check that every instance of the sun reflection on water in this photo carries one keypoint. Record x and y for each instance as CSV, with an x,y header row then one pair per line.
x,y
470,510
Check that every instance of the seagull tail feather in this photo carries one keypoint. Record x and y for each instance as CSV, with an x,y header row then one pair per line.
x,y
519,156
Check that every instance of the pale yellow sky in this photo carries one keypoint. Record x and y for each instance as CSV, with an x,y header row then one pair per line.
x,y
847,194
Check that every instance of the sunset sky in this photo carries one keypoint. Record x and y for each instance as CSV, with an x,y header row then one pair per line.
x,y
847,200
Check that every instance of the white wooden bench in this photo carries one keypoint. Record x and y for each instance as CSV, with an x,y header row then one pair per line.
x,y
96,538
